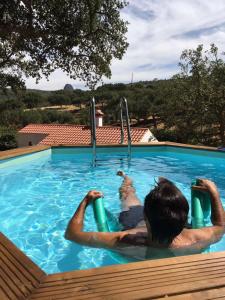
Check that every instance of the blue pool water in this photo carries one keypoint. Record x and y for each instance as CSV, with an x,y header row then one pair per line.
x,y
40,192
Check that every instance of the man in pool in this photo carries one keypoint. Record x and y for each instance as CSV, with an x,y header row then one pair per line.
x,y
157,229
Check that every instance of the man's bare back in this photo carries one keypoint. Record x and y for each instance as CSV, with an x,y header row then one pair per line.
x,y
138,242
135,244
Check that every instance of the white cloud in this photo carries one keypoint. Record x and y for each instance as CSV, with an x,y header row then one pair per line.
x,y
159,31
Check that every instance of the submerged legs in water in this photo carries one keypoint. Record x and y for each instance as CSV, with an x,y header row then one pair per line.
x,y
127,192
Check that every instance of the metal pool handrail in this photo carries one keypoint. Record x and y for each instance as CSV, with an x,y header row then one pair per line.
x,y
123,104
93,130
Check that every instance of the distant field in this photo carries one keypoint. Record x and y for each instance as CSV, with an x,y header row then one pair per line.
x,y
58,107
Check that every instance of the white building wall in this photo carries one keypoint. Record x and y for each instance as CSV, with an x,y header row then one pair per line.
x,y
148,137
29,139
99,121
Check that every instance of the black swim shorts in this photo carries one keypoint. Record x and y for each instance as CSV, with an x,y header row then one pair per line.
x,y
131,218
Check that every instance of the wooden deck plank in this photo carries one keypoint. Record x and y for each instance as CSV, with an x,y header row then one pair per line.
x,y
19,256
22,151
208,294
124,284
15,264
16,285
154,273
135,268
140,294
18,272
170,290
185,275
12,282
131,287
3,295
5,289
19,275
127,280
149,279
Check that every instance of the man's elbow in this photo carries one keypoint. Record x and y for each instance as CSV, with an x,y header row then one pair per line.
x,y
70,232
72,236
68,235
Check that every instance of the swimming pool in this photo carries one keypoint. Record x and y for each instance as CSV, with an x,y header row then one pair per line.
x,y
40,192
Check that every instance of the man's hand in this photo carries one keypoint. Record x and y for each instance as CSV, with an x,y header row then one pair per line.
x,y
217,211
93,195
209,186
74,229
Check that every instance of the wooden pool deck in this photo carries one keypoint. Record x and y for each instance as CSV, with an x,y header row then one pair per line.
x,y
200,276
22,151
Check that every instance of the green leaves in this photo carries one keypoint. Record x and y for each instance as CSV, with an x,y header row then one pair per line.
x,y
79,37
196,104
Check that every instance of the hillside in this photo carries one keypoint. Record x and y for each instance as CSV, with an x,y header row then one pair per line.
x,y
166,107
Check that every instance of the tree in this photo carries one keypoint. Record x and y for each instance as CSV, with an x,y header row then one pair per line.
x,y
216,100
79,37
31,117
59,99
194,100
51,116
206,73
10,117
174,104
11,104
32,100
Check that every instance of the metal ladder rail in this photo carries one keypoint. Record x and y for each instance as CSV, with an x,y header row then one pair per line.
x,y
123,103
93,130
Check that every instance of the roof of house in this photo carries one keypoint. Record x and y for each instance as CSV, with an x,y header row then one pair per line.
x,y
60,134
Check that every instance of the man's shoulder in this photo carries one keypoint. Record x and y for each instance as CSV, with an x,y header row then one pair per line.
x,y
211,234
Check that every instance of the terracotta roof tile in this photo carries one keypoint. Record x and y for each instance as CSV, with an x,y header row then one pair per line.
x,y
79,134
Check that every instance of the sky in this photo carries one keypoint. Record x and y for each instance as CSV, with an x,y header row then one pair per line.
x,y
158,32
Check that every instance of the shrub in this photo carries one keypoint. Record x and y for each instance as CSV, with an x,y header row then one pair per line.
x,y
32,116
166,135
7,141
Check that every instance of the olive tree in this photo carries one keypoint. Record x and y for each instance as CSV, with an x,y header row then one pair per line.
x,y
79,37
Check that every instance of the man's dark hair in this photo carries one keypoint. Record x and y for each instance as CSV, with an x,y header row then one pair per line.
x,y
166,210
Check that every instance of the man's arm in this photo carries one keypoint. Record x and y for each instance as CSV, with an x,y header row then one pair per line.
x,y
217,211
213,233
74,231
